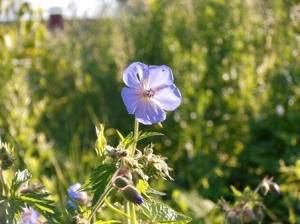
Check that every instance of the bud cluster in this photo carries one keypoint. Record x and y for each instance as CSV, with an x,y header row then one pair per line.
x,y
155,166
249,208
245,214
242,213
34,188
6,158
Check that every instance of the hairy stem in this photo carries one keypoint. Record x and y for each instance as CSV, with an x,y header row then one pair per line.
x,y
129,207
136,135
99,202
110,206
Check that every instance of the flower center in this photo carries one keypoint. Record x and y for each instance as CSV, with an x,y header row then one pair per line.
x,y
149,93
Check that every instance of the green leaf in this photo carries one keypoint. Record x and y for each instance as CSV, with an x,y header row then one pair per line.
x,y
120,135
142,186
43,205
128,140
98,180
19,178
100,145
13,211
148,134
236,192
161,213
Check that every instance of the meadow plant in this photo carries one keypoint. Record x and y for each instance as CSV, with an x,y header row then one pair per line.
x,y
120,182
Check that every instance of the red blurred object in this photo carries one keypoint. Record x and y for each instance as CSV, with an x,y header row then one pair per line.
x,y
56,20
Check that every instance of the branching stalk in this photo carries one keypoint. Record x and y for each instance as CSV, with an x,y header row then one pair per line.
x,y
130,207
115,209
100,202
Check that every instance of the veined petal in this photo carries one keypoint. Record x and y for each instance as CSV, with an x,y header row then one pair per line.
x,y
159,75
167,97
131,98
148,112
133,74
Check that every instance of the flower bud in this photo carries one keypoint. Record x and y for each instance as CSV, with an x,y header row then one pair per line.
x,y
130,193
122,172
120,182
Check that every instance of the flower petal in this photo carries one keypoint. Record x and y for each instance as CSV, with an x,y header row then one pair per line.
x,y
148,112
159,75
133,74
131,99
167,97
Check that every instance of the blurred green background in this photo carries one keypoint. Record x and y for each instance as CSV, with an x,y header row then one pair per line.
x,y
236,63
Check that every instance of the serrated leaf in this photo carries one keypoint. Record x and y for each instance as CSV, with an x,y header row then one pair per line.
x,y
13,212
98,180
236,192
43,205
148,134
161,213
19,178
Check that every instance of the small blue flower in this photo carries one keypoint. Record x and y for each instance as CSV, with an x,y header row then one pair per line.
x,y
30,216
150,91
80,197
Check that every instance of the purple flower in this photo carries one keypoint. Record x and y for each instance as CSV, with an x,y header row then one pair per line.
x,y
80,197
150,91
30,216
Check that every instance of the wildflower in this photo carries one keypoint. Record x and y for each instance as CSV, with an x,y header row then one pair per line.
x,y
150,91
80,197
30,216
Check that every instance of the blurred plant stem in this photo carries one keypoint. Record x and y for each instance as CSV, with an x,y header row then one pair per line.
x,y
4,184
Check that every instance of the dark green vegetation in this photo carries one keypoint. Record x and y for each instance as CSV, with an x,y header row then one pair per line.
x,y
236,63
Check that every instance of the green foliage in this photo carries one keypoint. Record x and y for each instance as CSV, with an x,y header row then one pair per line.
x,y
99,179
20,197
160,213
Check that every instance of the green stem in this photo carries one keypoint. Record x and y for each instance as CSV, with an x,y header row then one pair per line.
x,y
130,207
136,135
132,213
99,202
4,183
127,211
115,209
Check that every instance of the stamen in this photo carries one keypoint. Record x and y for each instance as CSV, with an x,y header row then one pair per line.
x,y
149,93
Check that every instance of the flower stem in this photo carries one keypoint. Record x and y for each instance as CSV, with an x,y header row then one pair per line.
x,y
128,212
115,209
136,135
129,207
4,183
99,202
